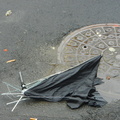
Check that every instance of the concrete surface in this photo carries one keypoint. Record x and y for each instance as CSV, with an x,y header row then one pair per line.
x,y
29,33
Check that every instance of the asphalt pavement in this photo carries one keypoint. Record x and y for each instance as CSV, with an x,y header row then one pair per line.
x,y
31,36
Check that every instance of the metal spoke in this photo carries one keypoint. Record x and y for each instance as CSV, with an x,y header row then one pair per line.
x,y
17,103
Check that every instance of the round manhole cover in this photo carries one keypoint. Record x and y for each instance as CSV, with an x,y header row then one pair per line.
x,y
90,41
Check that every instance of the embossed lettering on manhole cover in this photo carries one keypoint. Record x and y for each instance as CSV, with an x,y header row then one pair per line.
x,y
90,41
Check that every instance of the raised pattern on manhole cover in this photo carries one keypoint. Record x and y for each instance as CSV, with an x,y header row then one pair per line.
x,y
90,41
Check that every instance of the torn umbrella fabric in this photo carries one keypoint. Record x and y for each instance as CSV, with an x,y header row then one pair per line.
x,y
76,86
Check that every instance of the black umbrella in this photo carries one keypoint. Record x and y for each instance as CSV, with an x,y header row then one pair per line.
x,y
76,86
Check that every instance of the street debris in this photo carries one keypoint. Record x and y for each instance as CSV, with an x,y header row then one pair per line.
x,y
66,86
8,13
11,61
53,48
112,49
5,50
33,118
76,86
108,77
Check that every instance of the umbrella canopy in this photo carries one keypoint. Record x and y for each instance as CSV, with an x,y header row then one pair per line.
x,y
76,86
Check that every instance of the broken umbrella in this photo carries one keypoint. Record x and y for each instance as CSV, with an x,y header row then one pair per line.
x,y
75,85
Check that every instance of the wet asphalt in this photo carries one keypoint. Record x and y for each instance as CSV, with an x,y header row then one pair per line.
x,y
32,34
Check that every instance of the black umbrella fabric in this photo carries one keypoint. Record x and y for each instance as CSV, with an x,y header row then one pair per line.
x,y
76,86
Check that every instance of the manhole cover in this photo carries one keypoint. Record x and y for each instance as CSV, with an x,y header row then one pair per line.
x,y
90,41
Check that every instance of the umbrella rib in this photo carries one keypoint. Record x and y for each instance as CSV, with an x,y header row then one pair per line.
x,y
17,103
